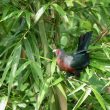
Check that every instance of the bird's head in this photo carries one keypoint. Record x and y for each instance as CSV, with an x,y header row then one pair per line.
x,y
58,52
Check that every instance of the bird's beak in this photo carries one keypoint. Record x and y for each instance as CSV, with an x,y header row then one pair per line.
x,y
54,50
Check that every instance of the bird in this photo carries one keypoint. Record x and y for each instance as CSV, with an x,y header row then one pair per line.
x,y
76,62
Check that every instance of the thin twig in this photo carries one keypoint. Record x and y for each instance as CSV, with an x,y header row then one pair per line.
x,y
102,34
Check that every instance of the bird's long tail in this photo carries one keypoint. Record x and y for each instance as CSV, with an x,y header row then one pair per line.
x,y
84,41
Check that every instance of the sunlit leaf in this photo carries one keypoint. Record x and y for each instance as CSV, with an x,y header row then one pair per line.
x,y
40,12
3,102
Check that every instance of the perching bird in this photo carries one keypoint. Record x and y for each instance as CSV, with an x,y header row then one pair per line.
x,y
75,63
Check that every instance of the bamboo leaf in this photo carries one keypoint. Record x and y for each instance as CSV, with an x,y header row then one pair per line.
x,y
77,89
8,66
53,105
99,98
28,15
53,65
3,102
16,58
60,11
6,10
34,44
57,81
15,13
43,92
37,71
28,50
40,12
82,98
22,67
62,99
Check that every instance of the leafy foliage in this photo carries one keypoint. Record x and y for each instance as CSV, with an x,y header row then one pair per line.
x,y
29,78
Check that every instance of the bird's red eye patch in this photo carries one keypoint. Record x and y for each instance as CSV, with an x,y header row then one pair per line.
x,y
58,52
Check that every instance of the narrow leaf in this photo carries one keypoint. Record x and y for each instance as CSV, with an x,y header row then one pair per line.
x,y
40,12
82,98
43,91
53,65
60,11
16,58
8,66
57,81
3,102
9,16
22,67
62,99
37,71
29,51
99,98
28,15
77,89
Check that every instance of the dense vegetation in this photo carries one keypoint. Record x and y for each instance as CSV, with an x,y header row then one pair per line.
x,y
29,77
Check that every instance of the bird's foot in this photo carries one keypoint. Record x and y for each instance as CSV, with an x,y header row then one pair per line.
x,y
70,75
73,75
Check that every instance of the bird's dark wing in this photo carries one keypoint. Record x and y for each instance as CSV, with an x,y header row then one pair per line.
x,y
80,60
81,57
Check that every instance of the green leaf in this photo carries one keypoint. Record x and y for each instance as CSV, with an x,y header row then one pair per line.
x,y
34,44
82,98
64,40
53,102
13,14
59,86
22,67
40,12
3,102
28,15
90,73
57,81
99,98
61,96
60,11
37,72
8,66
28,48
16,58
5,11
86,24
99,65
105,49
43,91
77,89
24,86
53,65
69,3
